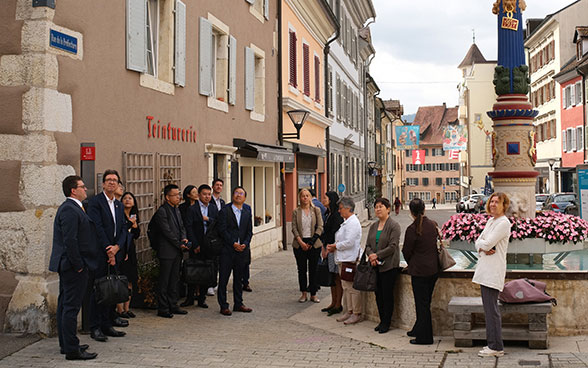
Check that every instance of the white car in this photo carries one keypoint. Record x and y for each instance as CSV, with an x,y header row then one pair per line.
x,y
470,204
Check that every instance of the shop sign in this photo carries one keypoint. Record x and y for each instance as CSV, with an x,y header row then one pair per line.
x,y
63,41
170,132
88,153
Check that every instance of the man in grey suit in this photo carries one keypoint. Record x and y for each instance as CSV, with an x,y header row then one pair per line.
x,y
73,255
170,238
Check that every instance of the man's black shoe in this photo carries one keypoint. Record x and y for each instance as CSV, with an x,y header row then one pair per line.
x,y
203,305
187,303
247,288
83,347
97,335
179,311
119,322
112,332
80,355
165,314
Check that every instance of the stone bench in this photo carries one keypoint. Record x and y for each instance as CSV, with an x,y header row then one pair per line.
x,y
465,330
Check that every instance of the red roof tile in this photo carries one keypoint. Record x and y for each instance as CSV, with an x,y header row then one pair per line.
x,y
433,120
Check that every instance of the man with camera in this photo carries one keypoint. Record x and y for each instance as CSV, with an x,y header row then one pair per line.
x,y
170,238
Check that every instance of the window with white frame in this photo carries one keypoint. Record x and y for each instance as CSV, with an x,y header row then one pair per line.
x,y
330,90
564,141
437,152
450,196
452,181
259,9
258,179
578,93
425,196
218,63
412,182
571,139
156,42
579,138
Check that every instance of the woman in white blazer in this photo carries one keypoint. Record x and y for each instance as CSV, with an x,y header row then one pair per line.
x,y
491,269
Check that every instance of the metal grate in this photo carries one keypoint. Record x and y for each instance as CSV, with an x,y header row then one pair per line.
x,y
139,175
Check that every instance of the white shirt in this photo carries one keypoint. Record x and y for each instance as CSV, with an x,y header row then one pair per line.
x,y
78,202
348,240
491,270
111,205
217,201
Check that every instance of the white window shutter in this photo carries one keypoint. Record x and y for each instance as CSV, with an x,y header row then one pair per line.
x,y
232,70
573,133
578,93
180,52
249,78
204,58
266,9
137,35
563,141
573,95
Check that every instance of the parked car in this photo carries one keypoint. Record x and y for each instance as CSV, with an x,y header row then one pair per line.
x,y
481,205
539,200
572,209
558,202
470,203
460,205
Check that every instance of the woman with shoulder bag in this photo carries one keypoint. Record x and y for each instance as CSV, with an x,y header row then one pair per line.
x,y
307,226
491,269
346,248
420,252
332,224
383,251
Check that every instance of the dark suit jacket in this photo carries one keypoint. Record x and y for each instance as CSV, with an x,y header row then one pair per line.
x,y
222,201
420,252
169,233
388,245
74,239
99,212
231,233
194,222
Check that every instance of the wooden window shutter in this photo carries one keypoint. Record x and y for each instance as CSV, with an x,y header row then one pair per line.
x,y
306,68
136,22
564,141
180,44
552,49
317,79
249,79
204,58
232,70
293,75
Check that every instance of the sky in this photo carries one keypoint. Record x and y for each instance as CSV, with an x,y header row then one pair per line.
x,y
420,43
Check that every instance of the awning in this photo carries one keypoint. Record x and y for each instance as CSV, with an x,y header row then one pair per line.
x,y
564,169
309,150
264,152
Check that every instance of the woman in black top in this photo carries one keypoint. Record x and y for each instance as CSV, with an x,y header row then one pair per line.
x,y
190,195
128,267
332,223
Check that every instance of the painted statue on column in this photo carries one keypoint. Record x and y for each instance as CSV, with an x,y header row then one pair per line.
x,y
513,141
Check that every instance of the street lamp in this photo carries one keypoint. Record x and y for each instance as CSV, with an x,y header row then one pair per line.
x,y
298,117
551,162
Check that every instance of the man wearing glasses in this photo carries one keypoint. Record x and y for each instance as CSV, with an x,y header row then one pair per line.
x,y
108,215
72,256
236,228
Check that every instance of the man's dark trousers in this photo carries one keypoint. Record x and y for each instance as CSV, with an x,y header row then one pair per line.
x,y
72,287
169,276
231,260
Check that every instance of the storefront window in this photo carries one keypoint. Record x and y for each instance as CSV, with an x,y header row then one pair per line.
x,y
258,180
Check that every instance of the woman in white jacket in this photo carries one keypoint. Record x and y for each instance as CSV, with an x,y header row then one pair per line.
x,y
491,269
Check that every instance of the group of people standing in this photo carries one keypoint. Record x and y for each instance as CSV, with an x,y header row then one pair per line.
x,y
336,236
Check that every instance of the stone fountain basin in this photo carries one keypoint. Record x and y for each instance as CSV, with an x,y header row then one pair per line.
x,y
527,246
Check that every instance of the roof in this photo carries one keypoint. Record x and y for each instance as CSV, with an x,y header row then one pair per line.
x,y
570,66
394,107
366,34
433,120
581,32
474,56
547,19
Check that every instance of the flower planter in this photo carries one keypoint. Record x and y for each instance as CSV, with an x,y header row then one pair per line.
x,y
527,246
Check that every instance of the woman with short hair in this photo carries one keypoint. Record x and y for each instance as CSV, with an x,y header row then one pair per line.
x,y
382,248
492,245
307,227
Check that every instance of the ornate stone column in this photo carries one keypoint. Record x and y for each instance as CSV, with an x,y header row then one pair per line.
x,y
513,141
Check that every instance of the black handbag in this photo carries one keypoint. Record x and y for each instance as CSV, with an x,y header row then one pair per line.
x,y
324,277
365,278
199,272
111,289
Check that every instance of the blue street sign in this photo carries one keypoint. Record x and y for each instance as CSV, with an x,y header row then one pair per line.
x,y
341,188
582,171
63,41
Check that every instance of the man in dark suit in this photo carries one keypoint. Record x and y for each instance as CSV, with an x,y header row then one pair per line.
x,y
108,215
199,219
217,188
72,256
235,225
171,242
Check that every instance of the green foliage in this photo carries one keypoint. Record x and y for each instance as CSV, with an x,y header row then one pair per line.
x,y
501,80
520,79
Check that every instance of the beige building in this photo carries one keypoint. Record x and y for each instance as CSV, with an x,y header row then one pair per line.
x,y
161,90
476,98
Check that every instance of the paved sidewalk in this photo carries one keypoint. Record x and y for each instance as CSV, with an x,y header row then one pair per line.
x,y
281,333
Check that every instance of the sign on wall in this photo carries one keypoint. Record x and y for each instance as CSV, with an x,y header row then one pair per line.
x,y
63,41
407,137
418,157
455,137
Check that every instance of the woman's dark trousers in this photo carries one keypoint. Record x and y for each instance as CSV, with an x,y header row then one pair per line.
x,y
307,262
385,295
422,289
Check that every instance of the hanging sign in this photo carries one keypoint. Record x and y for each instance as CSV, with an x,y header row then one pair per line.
x,y
508,22
407,137
418,157
455,137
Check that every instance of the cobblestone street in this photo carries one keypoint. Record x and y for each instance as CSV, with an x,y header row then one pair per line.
x,y
279,333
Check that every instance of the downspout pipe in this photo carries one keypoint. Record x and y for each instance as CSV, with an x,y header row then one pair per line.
x,y
281,131
365,127
583,75
326,51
